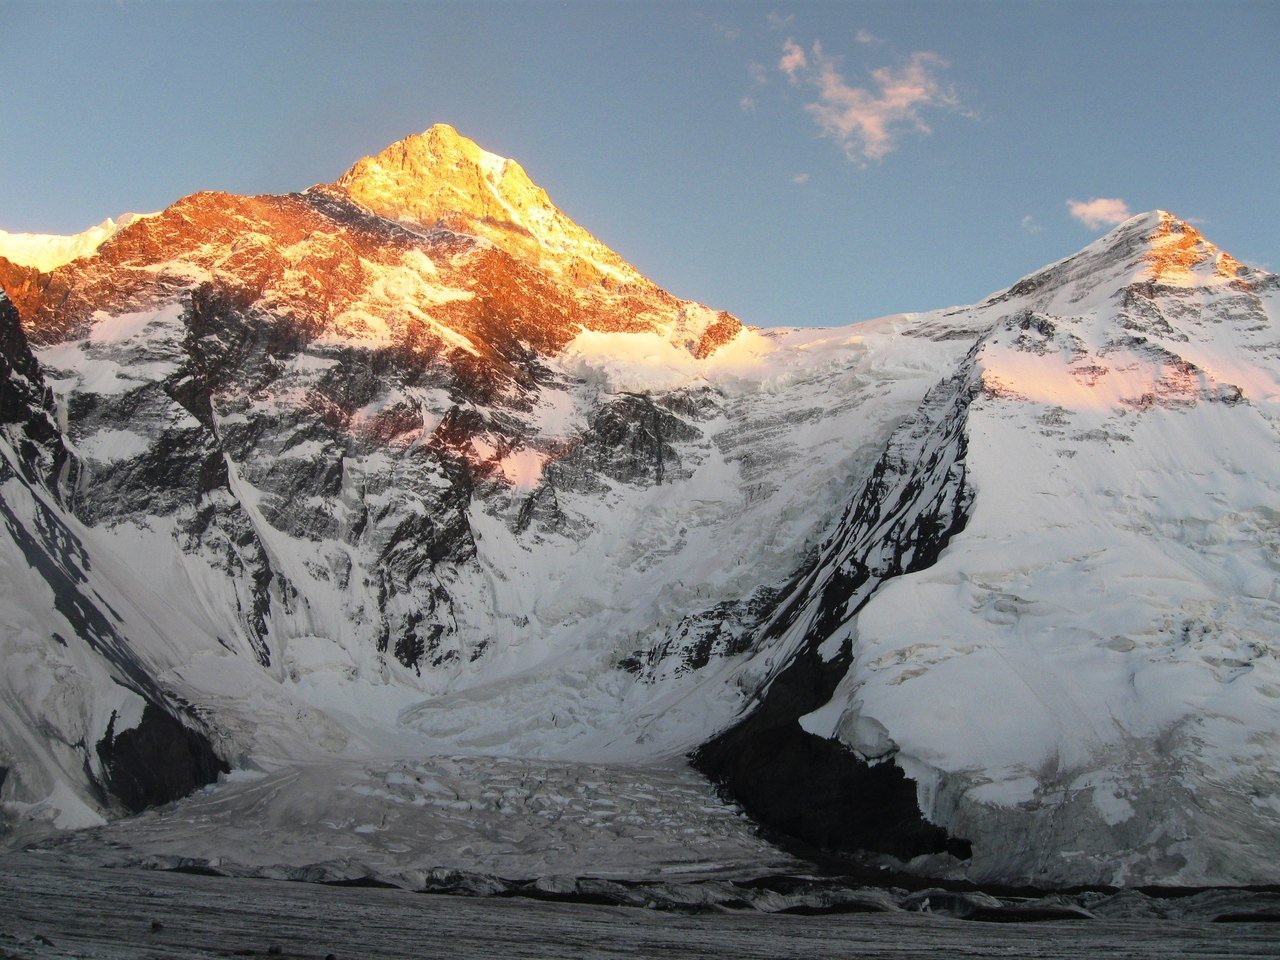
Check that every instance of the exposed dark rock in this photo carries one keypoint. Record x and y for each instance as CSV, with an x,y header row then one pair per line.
x,y
812,789
629,439
27,408
159,760
725,630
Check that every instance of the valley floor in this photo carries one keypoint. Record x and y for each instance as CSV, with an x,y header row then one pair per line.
x,y
50,908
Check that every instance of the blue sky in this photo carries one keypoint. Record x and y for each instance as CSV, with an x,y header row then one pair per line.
x,y
792,163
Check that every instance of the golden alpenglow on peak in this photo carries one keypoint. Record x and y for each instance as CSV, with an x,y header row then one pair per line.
x,y
1179,252
441,178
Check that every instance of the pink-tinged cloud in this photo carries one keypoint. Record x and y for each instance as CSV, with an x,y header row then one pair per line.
x,y
867,37
793,60
747,104
867,121
800,178
1099,212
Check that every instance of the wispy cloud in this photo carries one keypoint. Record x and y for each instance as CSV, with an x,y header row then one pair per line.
x,y
1099,212
748,104
800,178
759,75
867,121
867,37
777,21
1029,225
793,60
722,28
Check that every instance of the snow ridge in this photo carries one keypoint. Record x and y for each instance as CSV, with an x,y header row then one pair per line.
x,y
46,252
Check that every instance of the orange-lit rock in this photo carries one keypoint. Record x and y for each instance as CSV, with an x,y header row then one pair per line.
x,y
1177,248
442,179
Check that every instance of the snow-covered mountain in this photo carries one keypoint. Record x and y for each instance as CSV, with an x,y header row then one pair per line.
x,y
410,466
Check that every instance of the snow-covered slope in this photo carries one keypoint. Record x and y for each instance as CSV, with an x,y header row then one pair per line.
x,y
1086,681
411,466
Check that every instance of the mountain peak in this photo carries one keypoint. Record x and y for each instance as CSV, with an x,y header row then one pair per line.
x,y
439,178
1180,253
1155,246
1170,249
425,163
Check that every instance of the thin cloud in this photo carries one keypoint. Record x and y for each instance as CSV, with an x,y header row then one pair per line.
x,y
867,121
866,37
800,178
793,60
1099,212
759,75
748,104
722,28
777,21
1030,226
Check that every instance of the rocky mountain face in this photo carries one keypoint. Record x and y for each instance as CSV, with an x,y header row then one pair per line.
x,y
410,465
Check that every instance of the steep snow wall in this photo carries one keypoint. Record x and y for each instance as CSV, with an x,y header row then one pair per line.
x,y
808,787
